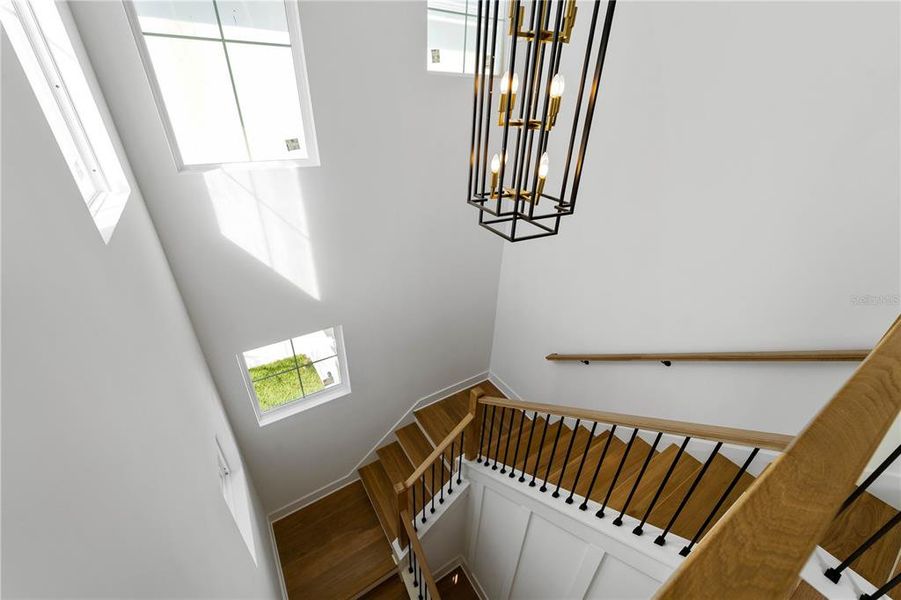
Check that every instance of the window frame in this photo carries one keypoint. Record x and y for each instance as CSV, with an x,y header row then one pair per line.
x,y
499,59
307,401
292,15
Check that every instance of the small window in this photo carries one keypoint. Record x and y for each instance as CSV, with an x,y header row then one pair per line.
x,y
296,374
452,29
229,78
46,42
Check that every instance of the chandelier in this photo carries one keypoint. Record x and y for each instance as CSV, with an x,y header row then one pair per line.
x,y
513,180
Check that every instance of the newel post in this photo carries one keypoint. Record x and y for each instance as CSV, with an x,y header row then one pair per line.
x,y
475,426
403,505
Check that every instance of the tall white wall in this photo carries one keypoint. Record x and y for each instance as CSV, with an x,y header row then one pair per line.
x,y
377,239
741,189
110,475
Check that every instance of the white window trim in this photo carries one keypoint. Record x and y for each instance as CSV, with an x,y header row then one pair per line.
x,y
292,15
307,402
49,50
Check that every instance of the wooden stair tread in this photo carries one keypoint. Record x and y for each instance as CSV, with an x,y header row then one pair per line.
x,y
712,485
572,467
805,591
417,448
392,588
381,492
632,464
396,462
579,437
651,479
861,520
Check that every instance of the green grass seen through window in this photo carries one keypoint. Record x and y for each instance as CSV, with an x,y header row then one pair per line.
x,y
277,390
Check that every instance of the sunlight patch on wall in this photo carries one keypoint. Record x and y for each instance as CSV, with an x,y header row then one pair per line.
x,y
265,217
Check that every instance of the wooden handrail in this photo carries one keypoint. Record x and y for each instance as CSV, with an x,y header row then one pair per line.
x,y
760,545
776,356
745,437
438,451
416,547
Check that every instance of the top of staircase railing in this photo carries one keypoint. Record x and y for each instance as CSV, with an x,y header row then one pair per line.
x,y
416,563
728,435
758,548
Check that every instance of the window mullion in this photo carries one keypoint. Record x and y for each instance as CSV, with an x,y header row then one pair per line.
x,y
231,78
296,364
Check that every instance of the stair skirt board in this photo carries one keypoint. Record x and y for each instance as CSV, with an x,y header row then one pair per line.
x,y
370,456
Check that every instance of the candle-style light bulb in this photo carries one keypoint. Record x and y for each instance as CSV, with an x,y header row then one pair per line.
x,y
509,87
557,86
542,175
495,167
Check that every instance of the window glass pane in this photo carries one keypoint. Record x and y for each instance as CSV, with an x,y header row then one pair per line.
x,y
457,6
267,92
445,45
270,359
316,346
188,17
312,382
254,21
328,372
277,390
469,58
193,79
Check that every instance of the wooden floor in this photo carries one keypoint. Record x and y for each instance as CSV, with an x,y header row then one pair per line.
x,y
334,548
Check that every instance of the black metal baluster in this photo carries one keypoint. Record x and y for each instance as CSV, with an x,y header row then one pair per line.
x,y
500,434
522,418
441,466
569,449
619,469
597,469
507,445
422,481
411,560
413,490
450,480
569,499
482,433
550,463
834,574
432,468
413,567
684,551
869,480
490,435
886,588
460,464
525,458
540,448
638,530
422,583
644,467
661,539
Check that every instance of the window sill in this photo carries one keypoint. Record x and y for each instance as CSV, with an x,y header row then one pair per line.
x,y
292,163
298,406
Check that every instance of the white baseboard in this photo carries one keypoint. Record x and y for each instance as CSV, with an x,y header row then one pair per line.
x,y
407,418
278,562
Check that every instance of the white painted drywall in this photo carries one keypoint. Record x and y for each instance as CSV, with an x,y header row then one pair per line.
x,y
378,239
110,475
741,188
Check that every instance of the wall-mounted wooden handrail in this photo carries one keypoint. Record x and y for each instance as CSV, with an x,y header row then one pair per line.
x,y
776,356
416,548
437,452
760,545
729,435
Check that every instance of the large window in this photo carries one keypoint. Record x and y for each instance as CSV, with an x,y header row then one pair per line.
x,y
297,373
46,42
452,28
230,79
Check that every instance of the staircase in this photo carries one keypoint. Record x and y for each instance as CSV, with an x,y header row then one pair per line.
x,y
571,463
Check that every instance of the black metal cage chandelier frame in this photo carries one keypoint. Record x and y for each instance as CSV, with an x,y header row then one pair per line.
x,y
508,188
